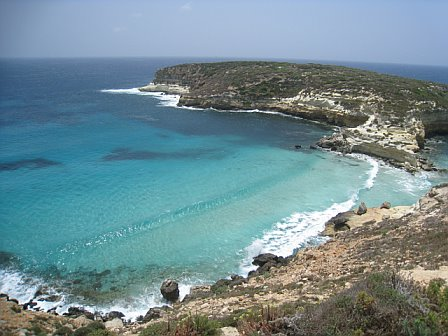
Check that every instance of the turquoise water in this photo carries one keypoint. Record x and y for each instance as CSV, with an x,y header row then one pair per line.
x,y
106,192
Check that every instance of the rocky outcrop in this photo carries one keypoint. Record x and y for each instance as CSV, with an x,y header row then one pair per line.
x,y
338,223
265,262
398,145
170,290
385,116
165,88
74,312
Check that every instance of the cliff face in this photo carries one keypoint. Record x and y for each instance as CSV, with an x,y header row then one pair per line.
x,y
385,116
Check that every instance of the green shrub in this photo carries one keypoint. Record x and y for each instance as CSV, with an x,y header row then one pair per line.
x,y
197,325
93,329
63,331
156,329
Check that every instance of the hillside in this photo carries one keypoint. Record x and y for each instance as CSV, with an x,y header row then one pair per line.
x,y
381,115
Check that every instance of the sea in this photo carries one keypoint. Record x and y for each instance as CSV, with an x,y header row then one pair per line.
x,y
106,191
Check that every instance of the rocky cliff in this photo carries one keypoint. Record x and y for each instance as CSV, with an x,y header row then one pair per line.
x,y
380,115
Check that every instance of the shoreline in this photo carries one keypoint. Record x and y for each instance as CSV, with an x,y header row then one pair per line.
x,y
313,233
301,276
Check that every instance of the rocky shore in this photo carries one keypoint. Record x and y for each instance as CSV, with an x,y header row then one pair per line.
x,y
409,240
384,116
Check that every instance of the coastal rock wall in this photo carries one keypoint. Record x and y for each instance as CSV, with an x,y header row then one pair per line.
x,y
385,116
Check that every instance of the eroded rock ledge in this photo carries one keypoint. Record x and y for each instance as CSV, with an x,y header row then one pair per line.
x,y
381,115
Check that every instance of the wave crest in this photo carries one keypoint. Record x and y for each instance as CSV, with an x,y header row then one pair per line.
x,y
166,100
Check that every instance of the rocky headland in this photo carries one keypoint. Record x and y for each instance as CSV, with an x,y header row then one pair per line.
x,y
385,116
287,295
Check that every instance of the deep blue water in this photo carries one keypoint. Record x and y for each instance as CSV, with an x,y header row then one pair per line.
x,y
106,192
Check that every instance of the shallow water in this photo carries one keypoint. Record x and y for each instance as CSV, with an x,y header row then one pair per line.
x,y
106,192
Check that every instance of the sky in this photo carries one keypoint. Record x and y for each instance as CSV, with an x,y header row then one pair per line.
x,y
380,31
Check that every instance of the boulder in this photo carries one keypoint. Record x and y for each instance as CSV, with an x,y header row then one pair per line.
x,y
362,209
385,205
266,261
170,290
339,221
113,315
265,258
79,311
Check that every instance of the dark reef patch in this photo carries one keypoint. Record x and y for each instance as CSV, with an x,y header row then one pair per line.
x,y
30,164
123,154
7,258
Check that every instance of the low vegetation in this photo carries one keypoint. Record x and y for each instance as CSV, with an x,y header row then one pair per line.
x,y
380,304
258,81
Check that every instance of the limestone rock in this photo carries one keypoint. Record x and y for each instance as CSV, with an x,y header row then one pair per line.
x,y
81,321
170,290
116,323
228,331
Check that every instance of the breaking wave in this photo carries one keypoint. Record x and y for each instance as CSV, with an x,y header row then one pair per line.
x,y
302,228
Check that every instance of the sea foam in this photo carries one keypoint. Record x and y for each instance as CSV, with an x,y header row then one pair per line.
x,y
302,228
167,100
24,288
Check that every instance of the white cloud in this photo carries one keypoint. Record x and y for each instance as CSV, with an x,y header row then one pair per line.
x,y
186,7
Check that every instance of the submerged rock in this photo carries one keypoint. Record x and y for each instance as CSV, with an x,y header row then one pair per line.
x,y
170,290
7,258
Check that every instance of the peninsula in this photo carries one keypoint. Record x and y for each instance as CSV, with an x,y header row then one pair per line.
x,y
385,116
